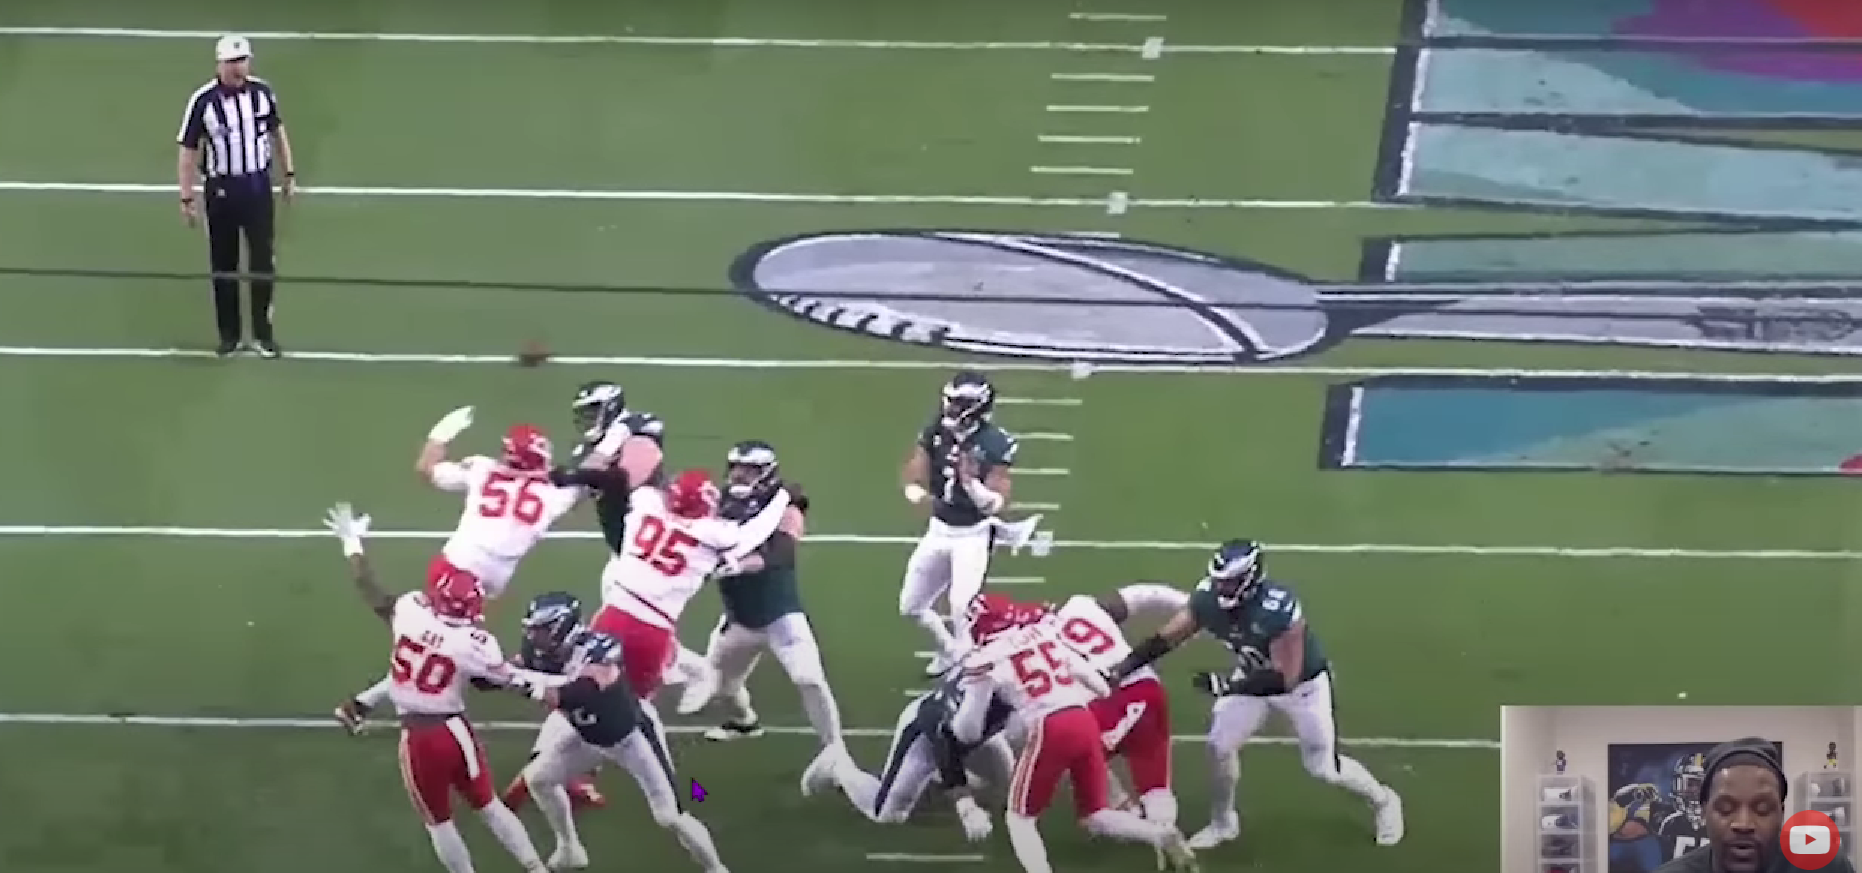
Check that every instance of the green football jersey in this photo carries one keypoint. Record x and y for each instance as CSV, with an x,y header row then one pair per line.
x,y
754,600
990,445
1251,627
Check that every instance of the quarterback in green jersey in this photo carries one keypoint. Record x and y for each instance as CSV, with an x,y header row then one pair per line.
x,y
958,467
1279,667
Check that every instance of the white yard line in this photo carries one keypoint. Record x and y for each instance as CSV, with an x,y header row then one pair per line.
x,y
1038,401
1015,580
254,723
999,366
1041,471
1450,549
1105,108
1041,436
1080,171
730,196
1035,506
1118,16
917,858
1086,139
127,33
1128,78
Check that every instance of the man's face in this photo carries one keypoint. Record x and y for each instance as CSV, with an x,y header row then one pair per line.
x,y
1744,815
237,70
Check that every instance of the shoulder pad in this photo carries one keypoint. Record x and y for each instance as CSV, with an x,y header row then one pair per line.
x,y
1204,585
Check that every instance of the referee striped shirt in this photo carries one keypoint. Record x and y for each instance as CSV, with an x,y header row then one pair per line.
x,y
232,127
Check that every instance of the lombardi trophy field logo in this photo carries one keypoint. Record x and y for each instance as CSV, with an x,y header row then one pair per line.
x,y
1069,297
1810,840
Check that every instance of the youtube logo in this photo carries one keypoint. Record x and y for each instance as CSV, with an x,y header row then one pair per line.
x,y
1810,840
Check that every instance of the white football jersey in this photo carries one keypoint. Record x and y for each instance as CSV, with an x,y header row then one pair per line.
x,y
1032,670
666,559
505,514
433,660
1086,626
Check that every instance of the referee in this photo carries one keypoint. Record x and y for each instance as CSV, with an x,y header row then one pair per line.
x,y
230,132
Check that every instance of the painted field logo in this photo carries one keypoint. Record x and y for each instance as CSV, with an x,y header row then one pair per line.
x,y
1810,840
1039,295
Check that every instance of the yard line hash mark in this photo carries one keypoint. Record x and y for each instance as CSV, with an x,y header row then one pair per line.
x,y
1015,580
1080,171
1045,437
1104,77
688,41
1073,139
913,857
245,723
1529,551
726,196
701,363
1041,471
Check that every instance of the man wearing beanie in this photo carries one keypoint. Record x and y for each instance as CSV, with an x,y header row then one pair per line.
x,y
1743,801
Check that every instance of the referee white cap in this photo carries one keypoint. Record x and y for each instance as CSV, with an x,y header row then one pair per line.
x,y
232,48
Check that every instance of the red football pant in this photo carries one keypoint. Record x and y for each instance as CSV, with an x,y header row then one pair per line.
x,y
647,650
1134,724
1065,743
440,758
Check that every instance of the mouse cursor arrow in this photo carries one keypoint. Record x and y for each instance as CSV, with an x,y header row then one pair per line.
x,y
698,791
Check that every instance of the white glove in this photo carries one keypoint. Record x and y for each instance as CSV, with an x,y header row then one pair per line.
x,y
728,565
451,426
976,823
347,526
916,493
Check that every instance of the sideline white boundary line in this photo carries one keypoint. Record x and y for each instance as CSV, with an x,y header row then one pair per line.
x,y
1607,552
236,723
688,41
733,196
995,366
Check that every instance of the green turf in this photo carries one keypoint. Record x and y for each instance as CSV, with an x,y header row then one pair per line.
x,y
1428,646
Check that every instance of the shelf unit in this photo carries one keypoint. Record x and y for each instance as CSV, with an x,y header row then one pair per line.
x,y
1565,825
1831,792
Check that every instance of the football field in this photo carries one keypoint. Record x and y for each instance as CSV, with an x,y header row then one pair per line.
x,y
1474,515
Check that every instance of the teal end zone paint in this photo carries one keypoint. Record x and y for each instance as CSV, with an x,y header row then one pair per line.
x,y
1758,255
1551,424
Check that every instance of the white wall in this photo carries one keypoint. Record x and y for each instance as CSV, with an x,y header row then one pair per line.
x,y
1531,735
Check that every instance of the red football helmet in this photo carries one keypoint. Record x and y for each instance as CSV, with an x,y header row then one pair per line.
x,y
526,449
692,495
457,598
991,614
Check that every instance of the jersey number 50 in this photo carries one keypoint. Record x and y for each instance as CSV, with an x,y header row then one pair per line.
x,y
414,664
662,546
1040,669
507,496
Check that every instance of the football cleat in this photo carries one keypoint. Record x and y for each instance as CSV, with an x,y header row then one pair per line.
x,y
733,730
1222,829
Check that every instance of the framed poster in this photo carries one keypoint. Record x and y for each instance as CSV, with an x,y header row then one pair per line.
x,y
1654,812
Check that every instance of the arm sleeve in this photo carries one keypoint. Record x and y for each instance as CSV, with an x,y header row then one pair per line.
x,y
193,123
753,533
972,715
1152,600
277,107
452,475
779,550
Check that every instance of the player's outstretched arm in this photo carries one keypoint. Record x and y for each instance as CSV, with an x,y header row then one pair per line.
x,y
431,463
349,529
914,473
1181,627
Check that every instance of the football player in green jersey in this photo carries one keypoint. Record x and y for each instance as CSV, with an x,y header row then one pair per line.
x,y
960,466
1279,666
763,611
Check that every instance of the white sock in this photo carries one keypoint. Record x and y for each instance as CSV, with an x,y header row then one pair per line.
x,y
1128,826
374,695
696,839
450,847
509,829
1225,774
553,800
1356,779
686,665
823,712
934,625
1160,806
861,788
1026,840
736,706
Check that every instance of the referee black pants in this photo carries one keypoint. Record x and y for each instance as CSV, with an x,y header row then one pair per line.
x,y
236,206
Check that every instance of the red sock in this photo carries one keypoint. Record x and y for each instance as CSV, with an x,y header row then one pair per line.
x,y
517,793
583,793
